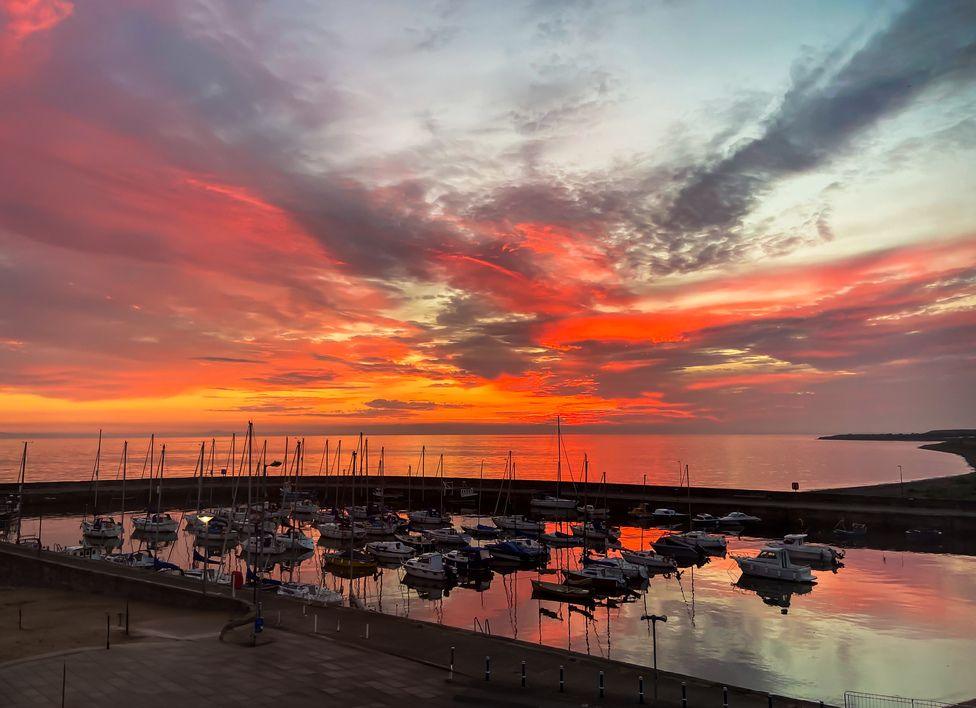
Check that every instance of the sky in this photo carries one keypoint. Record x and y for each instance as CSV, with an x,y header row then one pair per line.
x,y
674,216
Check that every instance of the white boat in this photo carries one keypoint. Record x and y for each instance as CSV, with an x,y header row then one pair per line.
x,y
738,517
775,563
382,525
648,559
213,575
667,514
631,571
595,532
215,530
101,527
799,550
517,522
342,532
390,551
264,544
598,577
429,517
304,507
312,594
90,552
428,566
138,559
155,523
588,511
447,537
548,503
327,516
295,539
709,541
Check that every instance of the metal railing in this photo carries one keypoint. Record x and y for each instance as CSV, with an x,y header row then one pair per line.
x,y
856,699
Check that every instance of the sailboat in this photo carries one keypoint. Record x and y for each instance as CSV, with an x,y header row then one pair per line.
x,y
432,517
480,530
99,527
513,522
11,506
158,521
548,502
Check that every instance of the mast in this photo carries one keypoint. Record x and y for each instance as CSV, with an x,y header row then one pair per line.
x,y
20,488
98,458
203,447
159,488
125,464
250,469
423,483
559,455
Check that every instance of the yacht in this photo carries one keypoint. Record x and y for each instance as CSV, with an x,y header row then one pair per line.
x,y
312,594
447,537
550,503
561,592
631,571
774,562
738,517
648,559
560,538
264,545
482,530
710,542
799,550
428,566
385,525
705,521
342,532
155,523
596,532
678,549
295,539
522,550
517,522
217,529
429,517
101,527
597,577
468,560
390,551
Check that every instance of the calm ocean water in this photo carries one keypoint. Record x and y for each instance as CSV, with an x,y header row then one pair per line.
x,y
753,461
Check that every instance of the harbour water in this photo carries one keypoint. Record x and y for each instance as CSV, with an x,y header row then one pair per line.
x,y
887,622
733,461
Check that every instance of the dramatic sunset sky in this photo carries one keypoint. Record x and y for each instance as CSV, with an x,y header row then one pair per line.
x,y
672,216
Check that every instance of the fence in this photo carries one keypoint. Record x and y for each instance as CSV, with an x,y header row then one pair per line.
x,y
854,699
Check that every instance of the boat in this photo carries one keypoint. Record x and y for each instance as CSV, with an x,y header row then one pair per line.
x,y
342,531
429,517
350,561
705,521
518,523
263,545
596,531
642,511
520,550
383,525
649,559
588,511
678,549
390,551
560,538
738,517
554,502
212,575
155,523
774,563
710,542
924,535
481,530
447,537
326,516
543,589
304,508
137,559
470,559
799,550
632,571
311,594
665,514
101,527
417,541
855,532
598,577
428,566
217,529
295,539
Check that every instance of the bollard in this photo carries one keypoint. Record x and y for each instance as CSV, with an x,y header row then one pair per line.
x,y
451,675
367,630
523,674
640,689
684,695
338,624
601,684
769,701
562,682
108,630
279,618
127,618
725,697
487,668
64,681
315,624
304,610
20,618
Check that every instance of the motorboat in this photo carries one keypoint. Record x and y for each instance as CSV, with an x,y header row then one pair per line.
x,y
588,511
217,529
428,566
632,571
429,517
518,523
596,531
417,541
854,533
598,577
137,559
642,511
678,549
470,559
543,589
710,542
448,537
648,559
705,521
342,531
520,550
560,538
667,515
212,575
390,551
551,503
799,550
263,545
482,531
311,594
385,525
327,516
101,527
774,562
295,539
155,523
89,552
738,517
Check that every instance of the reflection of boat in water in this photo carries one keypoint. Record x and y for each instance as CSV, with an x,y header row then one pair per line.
x,y
775,563
155,540
349,564
776,593
428,589
544,590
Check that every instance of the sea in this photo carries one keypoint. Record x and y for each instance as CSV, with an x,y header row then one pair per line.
x,y
770,462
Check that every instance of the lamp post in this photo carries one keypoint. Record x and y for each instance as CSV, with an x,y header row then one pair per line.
x,y
258,620
654,619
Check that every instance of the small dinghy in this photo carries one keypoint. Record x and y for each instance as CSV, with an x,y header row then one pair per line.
x,y
775,563
428,566
517,522
390,551
447,537
799,550
649,559
562,592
